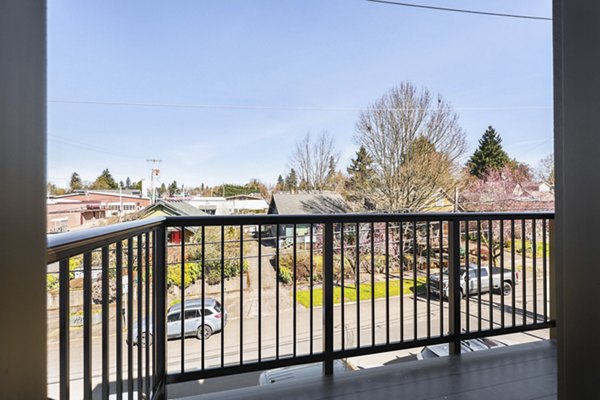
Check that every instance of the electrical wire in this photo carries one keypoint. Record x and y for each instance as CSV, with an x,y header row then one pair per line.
x,y
459,10
280,108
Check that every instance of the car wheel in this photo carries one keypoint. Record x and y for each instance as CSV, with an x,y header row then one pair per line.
x,y
506,288
204,331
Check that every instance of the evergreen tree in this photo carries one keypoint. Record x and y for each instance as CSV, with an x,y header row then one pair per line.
x,y
280,183
75,183
489,155
128,183
361,179
162,190
173,189
291,181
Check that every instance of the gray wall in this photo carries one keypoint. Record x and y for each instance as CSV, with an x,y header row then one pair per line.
x,y
577,152
22,201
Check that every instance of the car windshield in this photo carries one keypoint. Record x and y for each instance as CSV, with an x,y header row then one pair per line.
x,y
218,306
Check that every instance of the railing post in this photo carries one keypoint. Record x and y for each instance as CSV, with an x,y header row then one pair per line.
x,y
327,310
160,329
553,278
454,285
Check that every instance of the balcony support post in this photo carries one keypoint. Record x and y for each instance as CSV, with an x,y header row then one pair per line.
x,y
328,299
160,327
454,295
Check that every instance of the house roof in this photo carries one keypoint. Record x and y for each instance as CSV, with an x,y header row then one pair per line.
x,y
175,208
308,203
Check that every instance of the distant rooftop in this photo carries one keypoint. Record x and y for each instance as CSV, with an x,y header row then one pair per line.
x,y
308,203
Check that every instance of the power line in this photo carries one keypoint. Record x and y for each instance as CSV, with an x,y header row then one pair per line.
x,y
459,10
282,108
90,147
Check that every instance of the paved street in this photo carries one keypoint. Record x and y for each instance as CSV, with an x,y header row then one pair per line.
x,y
242,331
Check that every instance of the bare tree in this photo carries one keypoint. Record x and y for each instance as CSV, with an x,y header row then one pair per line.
x,y
545,170
311,159
414,140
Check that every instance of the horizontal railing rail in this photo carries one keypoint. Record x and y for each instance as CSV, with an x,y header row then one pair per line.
x,y
257,292
69,244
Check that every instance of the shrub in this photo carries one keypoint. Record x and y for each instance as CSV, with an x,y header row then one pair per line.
x,y
285,275
51,282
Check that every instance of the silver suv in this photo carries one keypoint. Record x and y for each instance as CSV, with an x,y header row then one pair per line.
x,y
215,319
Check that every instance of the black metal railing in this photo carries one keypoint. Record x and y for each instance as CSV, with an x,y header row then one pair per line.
x,y
289,290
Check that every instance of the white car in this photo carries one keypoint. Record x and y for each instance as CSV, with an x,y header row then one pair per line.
x,y
294,372
466,346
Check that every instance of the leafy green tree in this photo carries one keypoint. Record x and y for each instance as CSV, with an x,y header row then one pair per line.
x,y
489,155
75,182
291,181
361,179
105,181
52,189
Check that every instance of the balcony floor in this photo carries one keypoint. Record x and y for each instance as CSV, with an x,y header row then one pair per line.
x,y
526,371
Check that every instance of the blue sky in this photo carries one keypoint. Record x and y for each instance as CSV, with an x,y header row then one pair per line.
x,y
234,84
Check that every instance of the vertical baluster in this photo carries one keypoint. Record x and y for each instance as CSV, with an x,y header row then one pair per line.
x,y
502,316
479,318
130,316
401,240
468,279
415,266
222,296
294,293
87,326
524,268
277,295
105,323
357,273
387,283
491,273
64,322
260,291
311,289
372,284
119,320
513,271
140,342
182,266
534,266
343,299
203,258
428,247
441,270
147,315
241,294
545,269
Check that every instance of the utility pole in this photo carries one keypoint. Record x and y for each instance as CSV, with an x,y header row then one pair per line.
x,y
154,172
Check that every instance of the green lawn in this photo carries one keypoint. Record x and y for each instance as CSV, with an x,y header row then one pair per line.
x,y
303,296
